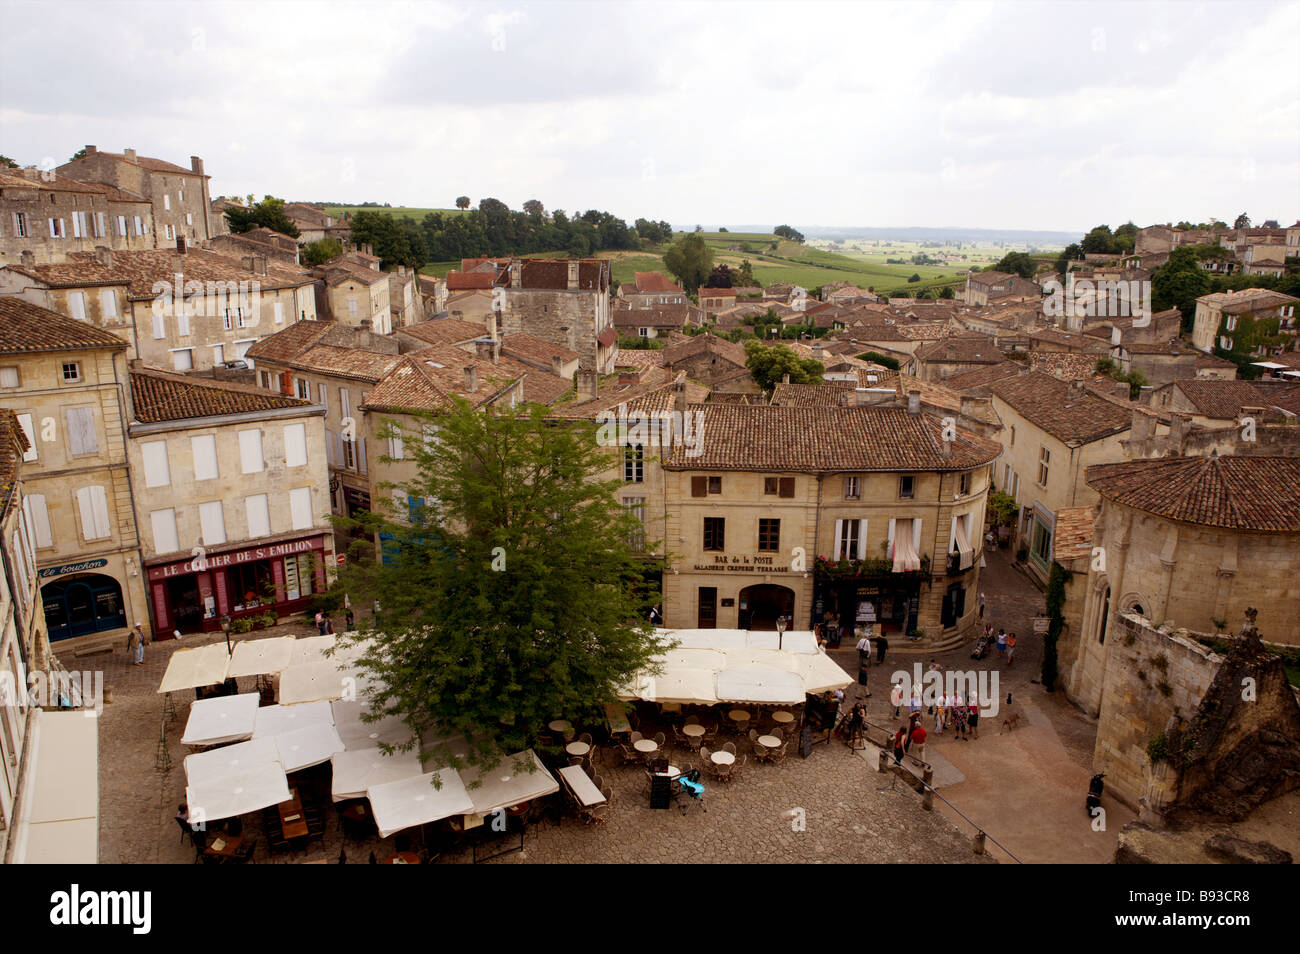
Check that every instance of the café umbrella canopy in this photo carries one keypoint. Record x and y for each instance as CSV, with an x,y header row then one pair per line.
x,y
221,719
358,770
411,802
260,657
196,668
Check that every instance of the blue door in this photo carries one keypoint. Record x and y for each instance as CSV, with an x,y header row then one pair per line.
x,y
83,605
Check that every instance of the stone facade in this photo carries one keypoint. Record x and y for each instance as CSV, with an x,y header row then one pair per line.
x,y
564,302
43,217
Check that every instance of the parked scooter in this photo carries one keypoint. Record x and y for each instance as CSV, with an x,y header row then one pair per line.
x,y
1095,788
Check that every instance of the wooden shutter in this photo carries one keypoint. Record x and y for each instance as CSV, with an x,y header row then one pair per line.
x,y
40,515
787,486
361,454
250,451
300,507
212,523
699,486
862,539
295,445
93,504
837,551
25,422
156,471
81,431
259,516
205,456
164,531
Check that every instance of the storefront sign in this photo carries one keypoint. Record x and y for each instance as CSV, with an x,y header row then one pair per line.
x,y
83,567
1042,624
216,560
743,564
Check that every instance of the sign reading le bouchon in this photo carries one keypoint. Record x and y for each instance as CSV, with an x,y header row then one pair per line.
x,y
67,568
743,564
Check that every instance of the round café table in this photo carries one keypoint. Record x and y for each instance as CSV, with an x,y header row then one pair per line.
x,y
771,741
722,758
783,717
738,716
646,746
693,731
577,748
673,772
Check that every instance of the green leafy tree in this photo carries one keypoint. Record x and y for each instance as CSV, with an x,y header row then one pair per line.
x,y
511,586
268,214
1179,282
770,363
1072,253
947,293
1241,222
1126,237
1099,241
7,163
534,208
720,277
1017,263
321,251
875,357
462,202
787,232
690,261
743,277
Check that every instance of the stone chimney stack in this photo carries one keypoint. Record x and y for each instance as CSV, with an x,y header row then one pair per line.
x,y
27,258
196,164
1141,426
104,255
679,394
129,155
557,366
586,380
91,150
516,274
785,379
486,349
573,275
364,337
1178,426
471,378
913,402
968,406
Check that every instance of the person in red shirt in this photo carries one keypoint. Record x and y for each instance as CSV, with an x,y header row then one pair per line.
x,y
918,741
900,738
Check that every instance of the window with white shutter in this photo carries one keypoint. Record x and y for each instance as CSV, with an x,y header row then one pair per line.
x,y
82,438
77,305
295,445
361,455
325,398
107,303
396,449
101,225
25,422
250,451
40,515
212,523
167,203
182,323
159,325
157,473
77,230
165,539
259,516
92,503
279,313
205,456
183,359
9,377
300,508
139,226
121,226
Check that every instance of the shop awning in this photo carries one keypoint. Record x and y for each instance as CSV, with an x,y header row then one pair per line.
x,y
313,744
683,686
760,685
222,719
963,545
411,802
820,673
508,783
260,657
193,668
357,770
60,813
905,556
275,720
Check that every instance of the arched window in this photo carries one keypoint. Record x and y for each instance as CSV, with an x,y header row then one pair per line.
x,y
1105,614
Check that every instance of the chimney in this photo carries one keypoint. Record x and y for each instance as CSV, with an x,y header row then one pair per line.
x,y
557,365
91,150
1114,334
630,376
471,378
129,155
1140,428
196,164
27,258
586,380
31,173
573,275
180,245
679,394
516,274
104,255
913,402
486,349
1178,426
785,379
364,336
968,406
1175,346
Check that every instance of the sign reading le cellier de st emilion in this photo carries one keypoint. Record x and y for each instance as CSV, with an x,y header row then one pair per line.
x,y
743,564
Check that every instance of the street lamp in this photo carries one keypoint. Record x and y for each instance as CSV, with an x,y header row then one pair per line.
x,y
225,628
781,623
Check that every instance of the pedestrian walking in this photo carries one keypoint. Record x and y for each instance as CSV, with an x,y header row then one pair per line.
x,y
918,743
320,623
973,716
981,604
900,740
349,619
864,652
959,719
896,697
939,715
1011,648
329,626
882,644
914,704
1002,642
135,644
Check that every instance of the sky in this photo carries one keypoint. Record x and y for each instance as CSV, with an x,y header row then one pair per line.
x,y
969,114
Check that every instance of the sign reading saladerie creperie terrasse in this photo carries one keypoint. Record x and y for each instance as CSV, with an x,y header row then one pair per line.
x,y
743,564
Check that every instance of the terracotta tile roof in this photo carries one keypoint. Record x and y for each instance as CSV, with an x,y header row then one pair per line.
x,y
344,363
961,349
979,378
1072,533
655,283
285,345
1072,414
828,394
1214,361
639,358
720,347
521,344
717,293
338,272
1066,365
553,274
608,337
827,439
444,331
735,397
653,391
162,396
62,183
912,331
1260,494
657,316
989,277
153,165
459,281
140,270
414,384
1247,299
1223,400
26,328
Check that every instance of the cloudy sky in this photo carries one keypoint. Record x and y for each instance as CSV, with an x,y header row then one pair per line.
x,y
970,114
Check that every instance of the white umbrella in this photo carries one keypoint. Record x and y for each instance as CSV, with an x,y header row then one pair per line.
x,y
310,745
410,802
760,685
258,657
222,719
204,767
238,793
359,734
320,681
357,770
193,668
274,720
505,785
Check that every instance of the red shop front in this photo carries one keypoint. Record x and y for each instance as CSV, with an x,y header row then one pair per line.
x,y
192,595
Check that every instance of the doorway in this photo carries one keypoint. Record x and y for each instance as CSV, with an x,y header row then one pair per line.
x,y
762,603
83,605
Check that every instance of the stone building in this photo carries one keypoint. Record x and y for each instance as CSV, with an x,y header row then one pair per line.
x,y
179,196
1251,321
985,287
1212,402
562,301
650,290
354,293
187,309
231,492
708,359
65,380
956,354
43,217
874,512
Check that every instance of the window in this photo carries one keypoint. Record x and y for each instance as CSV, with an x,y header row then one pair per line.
x,y
279,312
250,452
92,503
183,359
169,231
769,535
636,507
78,224
1105,615
204,448
101,225
167,202
107,303
9,377
963,484
56,228
225,320
156,471
324,398
715,536
40,519
25,422
352,307
1042,544
259,515
633,464
189,218
1013,436
349,454
906,486
71,372
850,539
21,227
165,539
780,486
77,305
139,226
218,354
304,389
300,507
715,485
295,445
183,322
1044,459
212,523
82,438
850,488
396,448
121,226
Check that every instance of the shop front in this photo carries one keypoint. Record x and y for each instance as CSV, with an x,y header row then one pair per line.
x,y
887,603
98,596
192,595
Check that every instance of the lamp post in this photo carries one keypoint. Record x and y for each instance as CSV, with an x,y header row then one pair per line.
x,y
781,623
225,628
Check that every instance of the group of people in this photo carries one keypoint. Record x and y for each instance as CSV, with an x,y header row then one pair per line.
x,y
1004,642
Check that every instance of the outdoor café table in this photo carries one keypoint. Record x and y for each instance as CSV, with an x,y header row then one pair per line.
x,y
292,821
738,716
403,858
577,748
722,758
771,741
783,717
223,846
646,746
562,727
694,730
673,772
582,787
357,812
